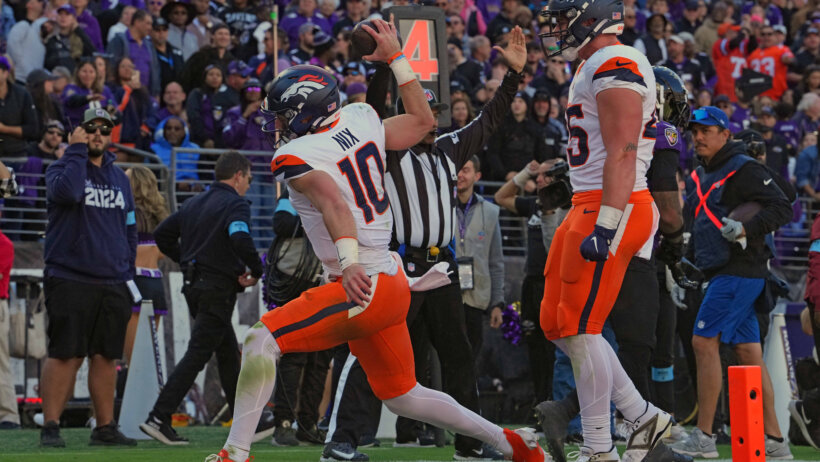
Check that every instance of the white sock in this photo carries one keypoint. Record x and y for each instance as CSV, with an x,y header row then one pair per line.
x,y
441,410
593,380
624,394
257,377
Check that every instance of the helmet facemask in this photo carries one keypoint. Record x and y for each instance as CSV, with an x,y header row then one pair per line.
x,y
574,24
561,23
277,124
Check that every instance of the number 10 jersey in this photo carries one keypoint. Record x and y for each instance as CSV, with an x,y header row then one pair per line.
x,y
352,152
615,66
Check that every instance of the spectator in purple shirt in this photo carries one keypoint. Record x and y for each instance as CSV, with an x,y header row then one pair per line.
x,y
773,13
88,22
136,44
84,91
243,123
305,13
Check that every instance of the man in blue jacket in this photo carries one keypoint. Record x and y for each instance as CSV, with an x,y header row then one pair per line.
x,y
91,245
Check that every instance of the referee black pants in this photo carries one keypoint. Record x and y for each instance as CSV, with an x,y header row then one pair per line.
x,y
212,334
436,318
356,410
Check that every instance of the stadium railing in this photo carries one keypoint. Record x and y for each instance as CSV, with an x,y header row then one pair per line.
x,y
24,216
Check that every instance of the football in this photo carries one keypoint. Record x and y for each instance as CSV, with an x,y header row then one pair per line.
x,y
362,43
745,211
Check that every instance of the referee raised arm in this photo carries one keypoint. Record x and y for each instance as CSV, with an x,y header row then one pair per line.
x,y
420,183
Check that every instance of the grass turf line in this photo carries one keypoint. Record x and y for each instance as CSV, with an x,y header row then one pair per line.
x,y
23,445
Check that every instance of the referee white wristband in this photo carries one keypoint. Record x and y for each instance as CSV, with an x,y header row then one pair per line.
x,y
609,217
402,71
347,248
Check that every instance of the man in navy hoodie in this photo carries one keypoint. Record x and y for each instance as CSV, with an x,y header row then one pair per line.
x,y
91,245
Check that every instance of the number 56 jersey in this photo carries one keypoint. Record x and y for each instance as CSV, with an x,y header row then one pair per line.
x,y
352,152
615,66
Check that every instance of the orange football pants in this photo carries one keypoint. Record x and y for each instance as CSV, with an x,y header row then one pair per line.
x,y
322,318
579,294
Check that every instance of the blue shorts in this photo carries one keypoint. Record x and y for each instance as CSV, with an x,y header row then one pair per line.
x,y
728,310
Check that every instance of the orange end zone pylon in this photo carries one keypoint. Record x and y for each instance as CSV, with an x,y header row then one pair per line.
x,y
746,414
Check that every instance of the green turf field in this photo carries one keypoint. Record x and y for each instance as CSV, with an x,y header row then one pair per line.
x,y
23,446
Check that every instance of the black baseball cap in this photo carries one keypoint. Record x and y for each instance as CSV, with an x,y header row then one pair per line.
x,y
431,99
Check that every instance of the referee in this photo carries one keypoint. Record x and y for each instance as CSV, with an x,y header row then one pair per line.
x,y
420,183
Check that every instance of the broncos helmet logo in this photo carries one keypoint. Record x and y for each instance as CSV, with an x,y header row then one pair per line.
x,y
304,87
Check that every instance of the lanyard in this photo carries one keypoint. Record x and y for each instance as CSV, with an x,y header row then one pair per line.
x,y
462,222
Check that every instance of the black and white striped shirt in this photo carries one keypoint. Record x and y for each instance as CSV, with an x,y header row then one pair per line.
x,y
421,184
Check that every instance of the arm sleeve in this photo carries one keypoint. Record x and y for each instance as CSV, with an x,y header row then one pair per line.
x,y
377,89
31,124
241,241
65,179
285,218
759,186
496,267
463,143
663,170
525,206
167,236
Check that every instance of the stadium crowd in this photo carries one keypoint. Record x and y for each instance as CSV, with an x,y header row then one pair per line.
x,y
194,74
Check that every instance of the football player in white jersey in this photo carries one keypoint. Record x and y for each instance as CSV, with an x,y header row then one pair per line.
x,y
333,164
610,117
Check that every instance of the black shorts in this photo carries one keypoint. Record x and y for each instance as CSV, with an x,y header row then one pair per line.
x,y
151,289
86,319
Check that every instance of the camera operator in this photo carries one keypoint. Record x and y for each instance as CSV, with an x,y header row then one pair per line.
x,y
90,251
209,237
540,228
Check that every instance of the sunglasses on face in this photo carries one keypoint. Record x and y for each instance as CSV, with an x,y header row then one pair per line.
x,y
55,132
91,129
253,90
176,128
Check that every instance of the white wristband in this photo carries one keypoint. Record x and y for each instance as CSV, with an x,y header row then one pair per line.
x,y
402,71
347,248
521,178
609,217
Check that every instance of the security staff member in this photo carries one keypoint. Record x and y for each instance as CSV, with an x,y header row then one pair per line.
x,y
209,237
420,184
733,256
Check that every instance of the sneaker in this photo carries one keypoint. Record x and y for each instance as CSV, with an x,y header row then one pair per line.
x,y
284,435
645,433
265,426
307,437
335,451
110,435
554,417
6,425
585,454
697,445
367,441
50,435
485,452
525,446
676,434
662,453
778,449
162,432
810,429
223,456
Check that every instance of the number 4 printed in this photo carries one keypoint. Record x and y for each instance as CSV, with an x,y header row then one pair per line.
x,y
418,50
